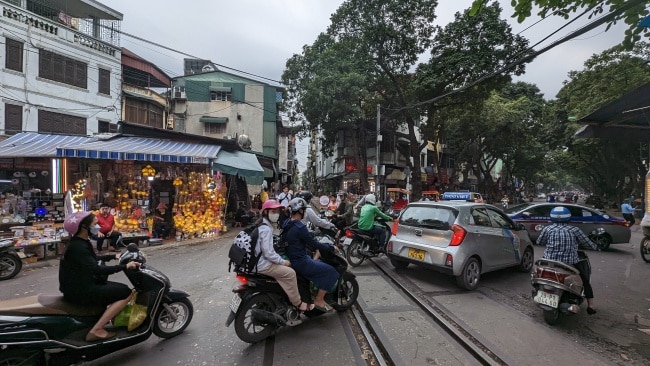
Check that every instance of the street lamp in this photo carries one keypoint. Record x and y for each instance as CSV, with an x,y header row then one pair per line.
x,y
378,148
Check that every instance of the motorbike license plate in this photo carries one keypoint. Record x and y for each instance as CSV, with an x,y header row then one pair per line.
x,y
545,298
347,241
416,254
234,303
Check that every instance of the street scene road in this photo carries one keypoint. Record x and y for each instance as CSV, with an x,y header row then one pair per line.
x,y
500,313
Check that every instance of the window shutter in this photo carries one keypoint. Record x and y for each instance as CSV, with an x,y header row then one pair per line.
x,y
104,81
14,52
13,119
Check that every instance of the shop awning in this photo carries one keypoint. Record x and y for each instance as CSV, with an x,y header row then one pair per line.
x,y
32,144
239,163
268,173
208,119
142,149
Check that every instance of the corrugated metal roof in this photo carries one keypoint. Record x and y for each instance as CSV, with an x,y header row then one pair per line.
x,y
32,144
142,149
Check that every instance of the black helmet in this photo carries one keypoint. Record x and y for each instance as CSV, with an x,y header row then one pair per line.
x,y
305,195
296,204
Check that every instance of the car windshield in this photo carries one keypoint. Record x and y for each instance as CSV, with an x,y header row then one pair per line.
x,y
517,208
430,217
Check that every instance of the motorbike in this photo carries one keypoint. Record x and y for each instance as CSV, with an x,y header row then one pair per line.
x,y
557,288
360,242
645,249
10,262
47,330
260,307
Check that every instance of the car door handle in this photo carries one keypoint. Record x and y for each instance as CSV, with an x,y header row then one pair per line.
x,y
418,232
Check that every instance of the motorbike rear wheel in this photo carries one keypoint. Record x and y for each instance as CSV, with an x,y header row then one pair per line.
x,y
165,326
15,357
247,330
354,257
10,265
551,316
347,294
645,249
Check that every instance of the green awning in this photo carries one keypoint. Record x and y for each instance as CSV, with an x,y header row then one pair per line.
x,y
226,89
268,173
239,163
208,119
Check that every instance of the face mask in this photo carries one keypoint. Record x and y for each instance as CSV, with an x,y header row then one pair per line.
x,y
94,230
274,217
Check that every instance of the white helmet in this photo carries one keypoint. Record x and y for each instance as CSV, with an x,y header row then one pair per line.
x,y
370,198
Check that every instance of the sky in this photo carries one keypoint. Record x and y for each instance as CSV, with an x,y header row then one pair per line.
x,y
258,36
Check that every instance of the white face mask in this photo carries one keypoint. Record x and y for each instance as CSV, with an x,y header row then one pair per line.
x,y
94,230
274,217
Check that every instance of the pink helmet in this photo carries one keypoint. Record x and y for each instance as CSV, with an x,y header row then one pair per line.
x,y
72,222
271,204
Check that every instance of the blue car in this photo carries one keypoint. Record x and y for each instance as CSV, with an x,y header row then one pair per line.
x,y
534,216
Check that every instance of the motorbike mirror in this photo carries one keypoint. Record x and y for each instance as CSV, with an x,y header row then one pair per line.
x,y
133,247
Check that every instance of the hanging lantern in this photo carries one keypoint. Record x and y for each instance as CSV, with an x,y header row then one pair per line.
x,y
148,171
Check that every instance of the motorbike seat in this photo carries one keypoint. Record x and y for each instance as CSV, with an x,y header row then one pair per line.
x,y
47,305
364,234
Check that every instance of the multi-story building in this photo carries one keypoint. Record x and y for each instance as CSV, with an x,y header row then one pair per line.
x,y
61,66
224,105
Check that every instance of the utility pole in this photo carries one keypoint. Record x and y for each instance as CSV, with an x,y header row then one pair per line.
x,y
378,147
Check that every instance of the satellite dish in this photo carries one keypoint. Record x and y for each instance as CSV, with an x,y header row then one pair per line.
x,y
209,68
244,141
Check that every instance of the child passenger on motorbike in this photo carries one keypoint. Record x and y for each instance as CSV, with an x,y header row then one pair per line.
x,y
321,274
79,271
270,263
367,220
562,241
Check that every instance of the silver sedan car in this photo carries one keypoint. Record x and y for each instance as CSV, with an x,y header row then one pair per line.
x,y
462,239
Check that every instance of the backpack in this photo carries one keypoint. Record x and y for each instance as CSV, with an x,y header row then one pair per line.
x,y
242,251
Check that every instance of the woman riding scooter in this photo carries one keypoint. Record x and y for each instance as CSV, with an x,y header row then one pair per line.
x,y
81,277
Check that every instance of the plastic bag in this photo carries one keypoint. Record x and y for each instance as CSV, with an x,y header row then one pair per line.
x,y
122,318
133,314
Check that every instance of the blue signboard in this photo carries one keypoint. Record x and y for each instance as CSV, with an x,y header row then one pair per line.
x,y
456,196
645,22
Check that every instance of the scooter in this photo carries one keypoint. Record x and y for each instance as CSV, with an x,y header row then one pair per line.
x,y
361,244
557,287
260,306
47,330
10,262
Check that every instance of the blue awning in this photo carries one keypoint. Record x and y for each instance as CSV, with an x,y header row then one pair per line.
x,y
240,163
142,149
33,144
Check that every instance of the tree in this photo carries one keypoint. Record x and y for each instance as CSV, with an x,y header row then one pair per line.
x,y
630,11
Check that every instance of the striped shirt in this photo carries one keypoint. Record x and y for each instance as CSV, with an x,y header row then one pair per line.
x,y
562,240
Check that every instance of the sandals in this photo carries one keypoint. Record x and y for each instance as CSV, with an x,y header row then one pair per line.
x,y
307,307
324,309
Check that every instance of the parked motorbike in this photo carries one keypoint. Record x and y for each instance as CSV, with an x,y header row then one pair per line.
x,y
645,249
10,262
361,244
260,306
557,287
47,330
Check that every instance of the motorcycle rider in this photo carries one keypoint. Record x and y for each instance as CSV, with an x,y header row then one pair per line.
x,y
562,241
79,271
310,216
270,263
344,213
321,274
367,221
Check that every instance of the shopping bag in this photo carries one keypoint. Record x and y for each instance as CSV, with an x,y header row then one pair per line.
x,y
137,316
122,318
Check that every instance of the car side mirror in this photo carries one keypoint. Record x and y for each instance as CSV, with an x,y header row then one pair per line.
x,y
526,214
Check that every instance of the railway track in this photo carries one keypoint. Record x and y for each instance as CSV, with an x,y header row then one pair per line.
x,y
384,354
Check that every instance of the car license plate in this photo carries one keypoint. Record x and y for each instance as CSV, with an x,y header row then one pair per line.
x,y
545,298
416,254
234,303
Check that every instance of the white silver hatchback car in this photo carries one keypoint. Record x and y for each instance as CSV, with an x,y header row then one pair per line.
x,y
463,239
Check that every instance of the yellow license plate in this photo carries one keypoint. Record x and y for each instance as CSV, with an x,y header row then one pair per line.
x,y
416,254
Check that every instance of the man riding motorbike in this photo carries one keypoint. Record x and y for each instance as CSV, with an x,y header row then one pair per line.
x,y
310,216
344,213
562,242
367,221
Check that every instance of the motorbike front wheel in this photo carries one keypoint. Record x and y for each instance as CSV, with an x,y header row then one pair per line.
x,y
10,265
347,294
354,257
165,326
645,249
249,330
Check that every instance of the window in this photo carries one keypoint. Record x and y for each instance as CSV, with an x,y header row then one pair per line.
x,y
106,127
481,217
13,119
221,96
104,82
63,69
144,113
499,220
214,128
14,52
61,123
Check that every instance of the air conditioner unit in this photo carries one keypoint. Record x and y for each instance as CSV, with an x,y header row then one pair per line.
x,y
180,95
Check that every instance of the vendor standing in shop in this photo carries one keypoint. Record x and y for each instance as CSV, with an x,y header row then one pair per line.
x,y
106,223
163,222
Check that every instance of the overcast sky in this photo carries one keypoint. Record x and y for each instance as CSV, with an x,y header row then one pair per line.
x,y
259,36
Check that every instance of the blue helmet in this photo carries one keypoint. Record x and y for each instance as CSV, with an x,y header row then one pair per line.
x,y
560,214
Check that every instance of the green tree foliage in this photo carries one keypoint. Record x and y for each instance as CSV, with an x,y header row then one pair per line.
x,y
630,11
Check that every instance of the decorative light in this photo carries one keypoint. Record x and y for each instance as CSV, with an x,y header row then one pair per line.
x,y
148,171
